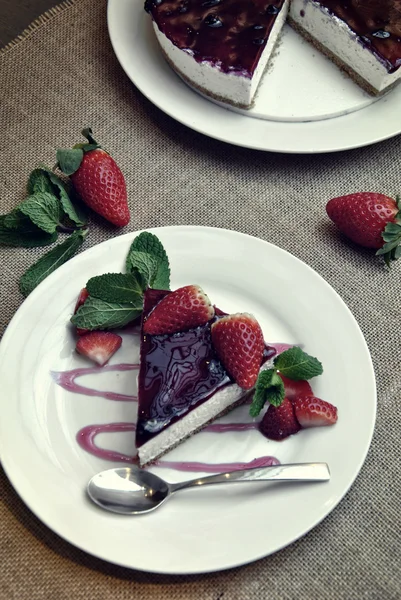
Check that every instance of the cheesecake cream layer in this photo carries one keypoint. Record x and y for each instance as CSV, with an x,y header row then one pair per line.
x,y
333,34
234,87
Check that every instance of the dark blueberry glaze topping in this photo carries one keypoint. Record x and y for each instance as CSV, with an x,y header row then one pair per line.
x,y
178,373
230,34
377,22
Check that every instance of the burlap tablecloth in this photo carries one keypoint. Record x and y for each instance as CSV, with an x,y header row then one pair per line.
x,y
63,75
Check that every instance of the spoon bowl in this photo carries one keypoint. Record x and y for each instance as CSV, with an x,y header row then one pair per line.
x,y
134,491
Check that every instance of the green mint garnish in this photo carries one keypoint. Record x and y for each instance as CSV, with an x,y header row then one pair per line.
x,y
44,210
116,287
294,364
146,265
269,388
158,276
297,365
39,182
98,314
24,235
50,262
73,211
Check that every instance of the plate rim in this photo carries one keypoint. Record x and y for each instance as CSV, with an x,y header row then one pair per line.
x,y
13,479
328,127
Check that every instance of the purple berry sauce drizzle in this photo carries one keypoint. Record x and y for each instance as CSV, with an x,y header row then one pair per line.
x,y
86,436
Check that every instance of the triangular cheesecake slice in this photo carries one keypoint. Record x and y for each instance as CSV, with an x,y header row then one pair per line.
x,y
220,47
182,385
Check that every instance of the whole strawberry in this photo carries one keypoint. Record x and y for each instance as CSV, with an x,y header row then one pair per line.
x,y
238,341
180,310
97,179
370,220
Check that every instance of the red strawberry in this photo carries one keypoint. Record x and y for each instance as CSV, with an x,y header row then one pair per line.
x,y
279,422
313,412
238,341
83,296
295,388
99,346
368,219
97,179
183,309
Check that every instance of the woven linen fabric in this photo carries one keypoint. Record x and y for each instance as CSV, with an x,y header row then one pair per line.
x,y
62,75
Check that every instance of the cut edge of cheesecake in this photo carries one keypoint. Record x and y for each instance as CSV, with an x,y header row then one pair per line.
x,y
343,47
231,88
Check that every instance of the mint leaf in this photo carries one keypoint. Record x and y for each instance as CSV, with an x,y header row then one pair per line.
x,y
297,365
116,287
69,160
50,262
73,212
148,243
146,265
44,210
98,314
17,220
39,182
269,388
24,238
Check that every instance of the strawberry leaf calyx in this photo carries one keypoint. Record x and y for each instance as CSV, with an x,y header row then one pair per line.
x,y
91,144
391,249
69,159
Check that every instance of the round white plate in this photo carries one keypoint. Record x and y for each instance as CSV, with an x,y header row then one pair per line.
x,y
40,419
304,104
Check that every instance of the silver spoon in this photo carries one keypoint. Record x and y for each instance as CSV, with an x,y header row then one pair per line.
x,y
133,491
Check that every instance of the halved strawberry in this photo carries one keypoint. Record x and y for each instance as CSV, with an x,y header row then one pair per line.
x,y
99,346
83,296
314,412
279,422
293,389
181,310
238,341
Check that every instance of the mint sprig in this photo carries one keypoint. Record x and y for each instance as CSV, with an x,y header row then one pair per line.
x,y
156,275
116,287
28,236
44,210
269,388
294,364
99,314
116,299
297,364
50,262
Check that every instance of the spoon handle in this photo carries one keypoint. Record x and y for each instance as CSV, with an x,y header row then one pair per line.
x,y
292,472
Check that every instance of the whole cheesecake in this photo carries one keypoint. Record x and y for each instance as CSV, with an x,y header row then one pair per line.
x,y
220,47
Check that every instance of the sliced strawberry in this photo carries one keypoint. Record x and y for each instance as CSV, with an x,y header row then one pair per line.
x,y
279,422
83,296
181,310
238,341
296,388
313,412
99,346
